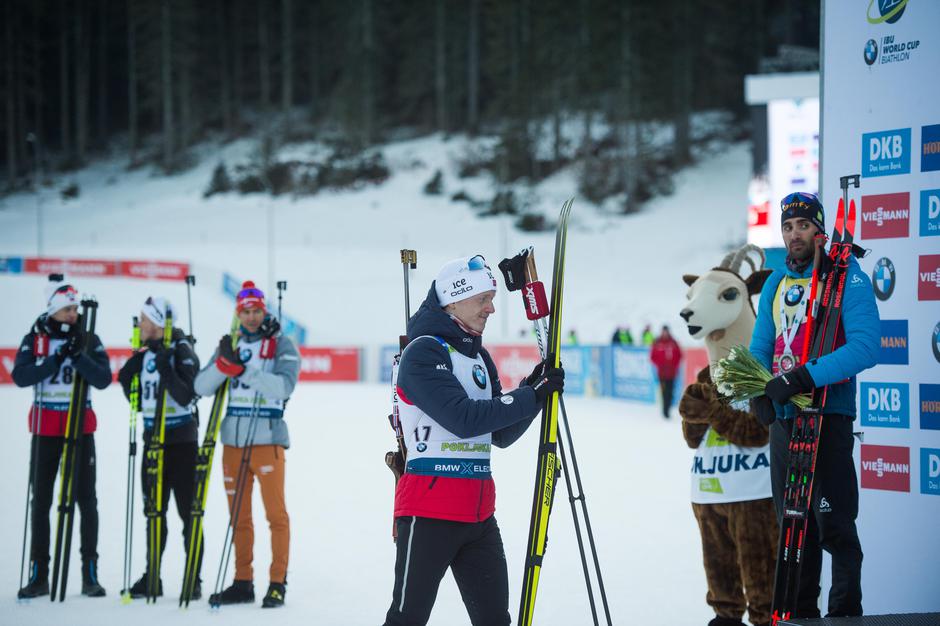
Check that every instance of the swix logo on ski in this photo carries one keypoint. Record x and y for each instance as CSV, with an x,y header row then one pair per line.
x,y
928,277
930,148
930,213
930,471
886,152
929,407
894,350
886,467
731,463
886,215
885,404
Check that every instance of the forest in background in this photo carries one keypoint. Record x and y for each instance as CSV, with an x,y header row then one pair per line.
x,y
153,78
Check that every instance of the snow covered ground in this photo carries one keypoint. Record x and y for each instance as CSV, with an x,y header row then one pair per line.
x,y
634,466
339,253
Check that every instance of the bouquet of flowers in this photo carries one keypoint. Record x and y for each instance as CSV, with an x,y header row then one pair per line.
x,y
740,376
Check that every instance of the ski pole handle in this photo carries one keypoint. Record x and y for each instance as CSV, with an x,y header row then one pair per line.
x,y
535,300
190,281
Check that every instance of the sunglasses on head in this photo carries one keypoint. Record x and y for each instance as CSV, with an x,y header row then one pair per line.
x,y
477,263
799,196
251,292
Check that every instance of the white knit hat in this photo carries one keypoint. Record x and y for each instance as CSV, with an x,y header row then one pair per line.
x,y
156,310
59,295
463,278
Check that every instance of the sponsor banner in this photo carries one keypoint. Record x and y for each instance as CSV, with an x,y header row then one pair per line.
x,y
386,360
70,267
154,270
7,358
930,471
116,356
886,152
928,277
329,364
885,216
886,467
885,404
929,407
894,349
11,265
632,375
935,342
576,362
930,148
515,362
883,278
930,213
695,359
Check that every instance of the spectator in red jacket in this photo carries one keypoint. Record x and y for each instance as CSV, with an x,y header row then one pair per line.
x,y
665,355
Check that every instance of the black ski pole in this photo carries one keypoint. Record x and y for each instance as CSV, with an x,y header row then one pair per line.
x,y
33,464
190,281
281,288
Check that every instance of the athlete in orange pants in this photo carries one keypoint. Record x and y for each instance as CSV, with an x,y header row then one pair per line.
x,y
267,466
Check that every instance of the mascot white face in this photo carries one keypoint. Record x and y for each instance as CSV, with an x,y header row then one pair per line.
x,y
720,297
715,300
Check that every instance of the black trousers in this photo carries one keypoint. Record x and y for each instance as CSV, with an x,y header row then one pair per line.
x,y
473,552
45,454
179,469
832,525
666,385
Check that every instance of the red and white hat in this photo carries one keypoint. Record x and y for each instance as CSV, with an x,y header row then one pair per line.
x,y
249,297
59,295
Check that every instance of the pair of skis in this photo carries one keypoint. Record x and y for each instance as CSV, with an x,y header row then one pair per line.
x,y
153,470
71,467
201,488
823,322
520,274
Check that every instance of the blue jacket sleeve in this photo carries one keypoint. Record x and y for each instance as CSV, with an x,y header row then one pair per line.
x,y
25,370
765,334
504,437
94,364
862,326
436,391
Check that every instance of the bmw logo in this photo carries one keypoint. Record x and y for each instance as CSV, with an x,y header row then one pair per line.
x,y
151,366
244,354
421,447
936,342
883,278
794,295
871,52
479,376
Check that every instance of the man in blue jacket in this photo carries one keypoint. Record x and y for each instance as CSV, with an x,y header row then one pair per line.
x,y
777,342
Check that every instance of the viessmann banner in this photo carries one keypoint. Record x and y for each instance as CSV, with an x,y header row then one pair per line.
x,y
881,119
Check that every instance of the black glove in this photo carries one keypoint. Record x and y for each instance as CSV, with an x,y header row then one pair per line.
x,y
270,326
785,386
162,359
763,409
551,380
532,378
75,343
227,361
155,345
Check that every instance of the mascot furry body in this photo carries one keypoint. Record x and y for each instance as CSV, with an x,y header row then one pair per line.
x,y
731,473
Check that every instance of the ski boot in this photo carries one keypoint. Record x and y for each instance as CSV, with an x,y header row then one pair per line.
x,y
241,592
274,598
90,585
38,584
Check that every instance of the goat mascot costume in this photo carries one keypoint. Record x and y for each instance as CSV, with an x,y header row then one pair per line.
x,y
731,496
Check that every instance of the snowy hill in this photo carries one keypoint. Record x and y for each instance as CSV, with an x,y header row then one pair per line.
x,y
339,250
